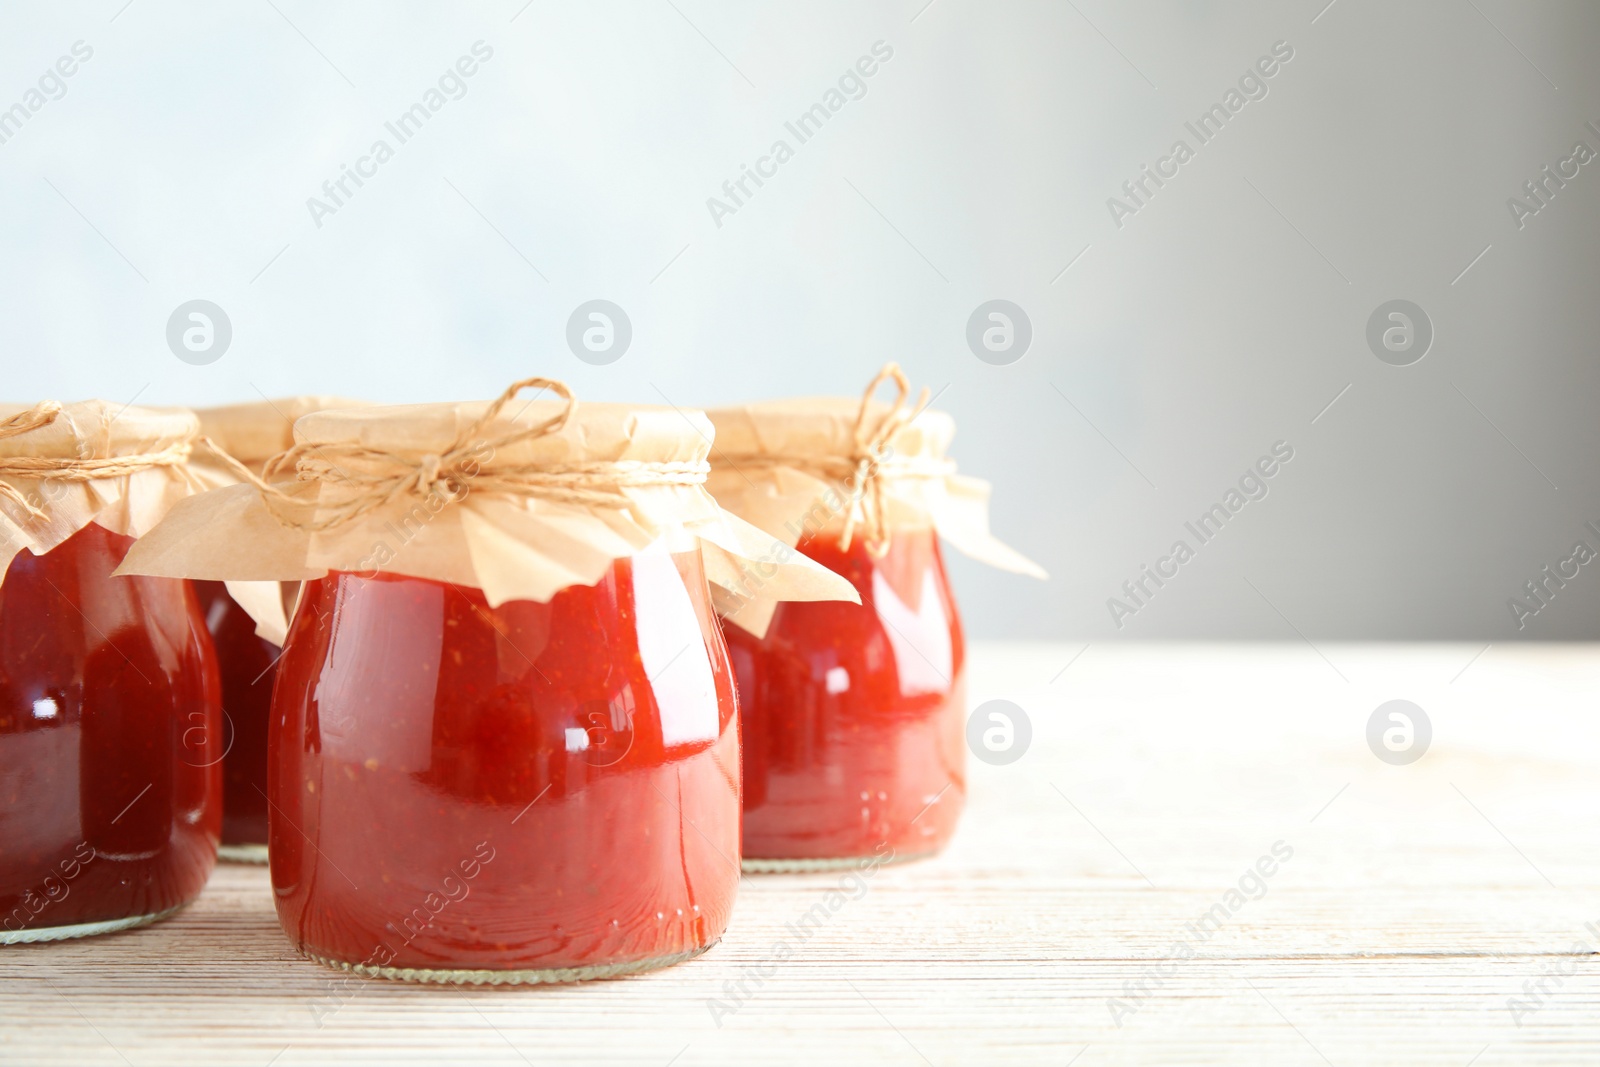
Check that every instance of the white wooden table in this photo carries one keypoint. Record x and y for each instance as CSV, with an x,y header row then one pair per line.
x,y
1420,904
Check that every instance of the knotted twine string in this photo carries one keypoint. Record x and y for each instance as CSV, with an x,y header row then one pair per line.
x,y
870,466
71,470
366,479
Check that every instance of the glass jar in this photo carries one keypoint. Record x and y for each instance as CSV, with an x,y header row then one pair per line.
x,y
246,661
853,713
109,743
525,793
251,434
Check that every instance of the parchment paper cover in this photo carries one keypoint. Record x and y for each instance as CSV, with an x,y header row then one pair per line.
x,y
513,546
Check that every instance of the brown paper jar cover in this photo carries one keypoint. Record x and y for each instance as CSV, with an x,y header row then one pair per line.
x,y
785,466
253,433
514,545
130,504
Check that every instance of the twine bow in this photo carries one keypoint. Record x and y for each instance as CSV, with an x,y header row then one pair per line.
x,y
365,479
71,470
871,451
870,465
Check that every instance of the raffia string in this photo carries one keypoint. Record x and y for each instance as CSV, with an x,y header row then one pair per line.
x,y
368,478
870,465
71,470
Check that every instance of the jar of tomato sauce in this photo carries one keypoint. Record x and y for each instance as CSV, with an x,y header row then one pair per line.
x,y
853,713
504,738
248,623
109,702
247,664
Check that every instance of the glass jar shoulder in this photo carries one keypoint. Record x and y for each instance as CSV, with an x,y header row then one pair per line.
x,y
903,642
631,667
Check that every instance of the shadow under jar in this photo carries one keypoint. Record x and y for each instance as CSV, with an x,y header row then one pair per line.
x,y
853,713
109,743
523,793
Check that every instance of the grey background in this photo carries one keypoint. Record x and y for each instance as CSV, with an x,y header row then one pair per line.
x,y
1223,317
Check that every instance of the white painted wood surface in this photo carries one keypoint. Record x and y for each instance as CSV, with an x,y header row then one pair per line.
x,y
1418,901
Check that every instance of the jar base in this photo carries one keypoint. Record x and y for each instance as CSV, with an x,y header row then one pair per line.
x,y
74,930
752,865
551,976
242,853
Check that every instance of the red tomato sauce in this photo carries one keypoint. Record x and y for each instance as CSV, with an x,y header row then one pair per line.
x,y
549,790
853,713
247,663
110,786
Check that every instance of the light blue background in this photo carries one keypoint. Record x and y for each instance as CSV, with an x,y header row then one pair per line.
x,y
1222,318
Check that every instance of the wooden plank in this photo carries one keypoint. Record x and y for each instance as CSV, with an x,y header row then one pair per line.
x,y
1428,914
